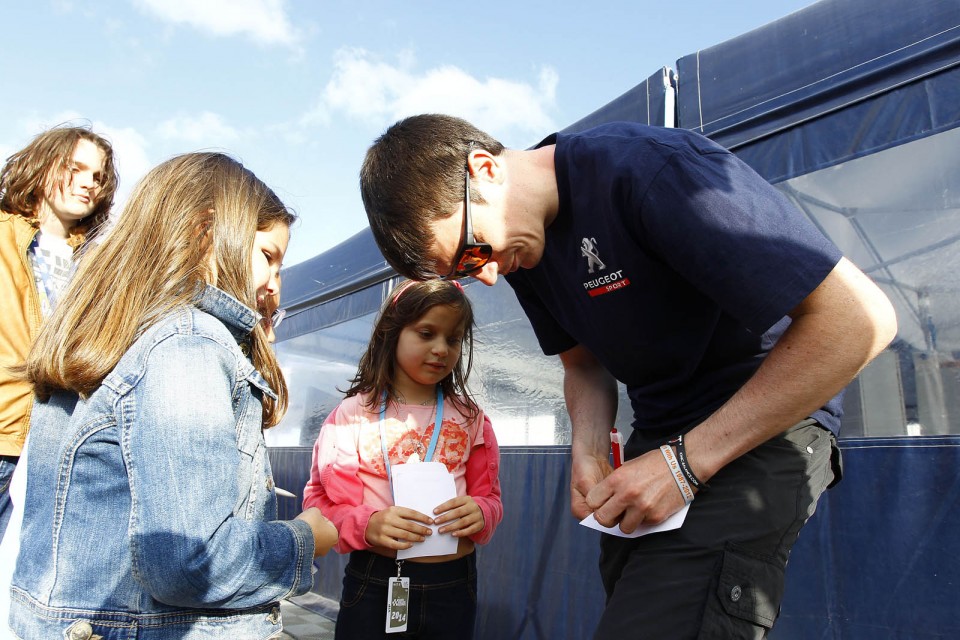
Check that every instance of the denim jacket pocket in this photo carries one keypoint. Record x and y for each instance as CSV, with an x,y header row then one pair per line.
x,y
248,404
254,472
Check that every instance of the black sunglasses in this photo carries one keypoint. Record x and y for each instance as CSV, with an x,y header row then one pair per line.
x,y
472,255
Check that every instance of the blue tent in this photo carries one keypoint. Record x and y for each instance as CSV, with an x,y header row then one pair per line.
x,y
851,108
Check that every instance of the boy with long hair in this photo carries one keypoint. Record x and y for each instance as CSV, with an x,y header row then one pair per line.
x,y
55,194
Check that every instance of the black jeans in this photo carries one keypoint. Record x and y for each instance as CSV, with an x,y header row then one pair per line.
x,y
443,598
721,575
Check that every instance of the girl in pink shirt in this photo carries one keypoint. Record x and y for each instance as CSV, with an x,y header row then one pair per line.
x,y
412,372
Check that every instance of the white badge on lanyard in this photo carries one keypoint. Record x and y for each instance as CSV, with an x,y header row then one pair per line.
x,y
398,602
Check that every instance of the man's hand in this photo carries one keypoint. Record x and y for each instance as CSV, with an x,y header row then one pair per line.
x,y
641,491
591,396
586,471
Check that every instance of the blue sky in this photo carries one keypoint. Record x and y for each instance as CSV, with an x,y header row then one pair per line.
x,y
298,90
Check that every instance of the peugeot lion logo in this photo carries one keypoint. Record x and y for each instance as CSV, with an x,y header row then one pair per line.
x,y
589,251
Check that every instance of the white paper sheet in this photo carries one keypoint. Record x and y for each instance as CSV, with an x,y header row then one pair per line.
x,y
673,522
423,486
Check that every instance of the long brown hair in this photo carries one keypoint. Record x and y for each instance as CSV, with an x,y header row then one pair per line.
x,y
157,258
39,167
408,303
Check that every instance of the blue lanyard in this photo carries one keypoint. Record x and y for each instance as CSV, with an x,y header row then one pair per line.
x,y
437,425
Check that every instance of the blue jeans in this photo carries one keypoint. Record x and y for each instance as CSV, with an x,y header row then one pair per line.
x,y
7,465
443,598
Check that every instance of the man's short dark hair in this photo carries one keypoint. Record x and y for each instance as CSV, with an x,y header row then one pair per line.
x,y
411,176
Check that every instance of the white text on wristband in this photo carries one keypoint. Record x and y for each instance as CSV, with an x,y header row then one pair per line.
x,y
677,473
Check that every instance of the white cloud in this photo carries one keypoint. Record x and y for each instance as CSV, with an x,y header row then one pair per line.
x,y
206,129
130,153
380,93
265,21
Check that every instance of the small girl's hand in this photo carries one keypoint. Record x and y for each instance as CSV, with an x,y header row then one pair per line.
x,y
324,533
463,515
397,528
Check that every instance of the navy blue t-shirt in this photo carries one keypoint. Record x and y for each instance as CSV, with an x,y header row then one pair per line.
x,y
674,263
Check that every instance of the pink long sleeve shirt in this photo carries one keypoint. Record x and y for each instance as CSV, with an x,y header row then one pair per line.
x,y
348,480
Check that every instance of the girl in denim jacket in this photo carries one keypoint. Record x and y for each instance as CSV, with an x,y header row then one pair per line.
x,y
151,510
408,403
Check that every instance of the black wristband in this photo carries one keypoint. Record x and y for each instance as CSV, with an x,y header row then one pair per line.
x,y
685,469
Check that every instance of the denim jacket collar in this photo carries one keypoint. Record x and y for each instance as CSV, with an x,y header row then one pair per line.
x,y
238,317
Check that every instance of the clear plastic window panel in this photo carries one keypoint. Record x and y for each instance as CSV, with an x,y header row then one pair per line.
x,y
317,366
895,214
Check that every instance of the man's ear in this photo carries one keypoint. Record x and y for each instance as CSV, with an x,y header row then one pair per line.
x,y
486,167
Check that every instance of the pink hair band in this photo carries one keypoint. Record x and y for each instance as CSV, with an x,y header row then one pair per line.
x,y
409,283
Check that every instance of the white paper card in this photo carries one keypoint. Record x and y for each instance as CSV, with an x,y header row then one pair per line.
x,y
673,522
423,487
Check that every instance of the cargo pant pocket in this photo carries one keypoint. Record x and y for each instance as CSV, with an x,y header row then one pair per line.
x,y
746,601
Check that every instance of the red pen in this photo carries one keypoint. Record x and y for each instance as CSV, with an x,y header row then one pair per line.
x,y
616,443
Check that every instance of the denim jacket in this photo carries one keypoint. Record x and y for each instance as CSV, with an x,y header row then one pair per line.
x,y
150,510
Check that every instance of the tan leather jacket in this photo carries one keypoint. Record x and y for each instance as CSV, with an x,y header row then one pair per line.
x,y
20,319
